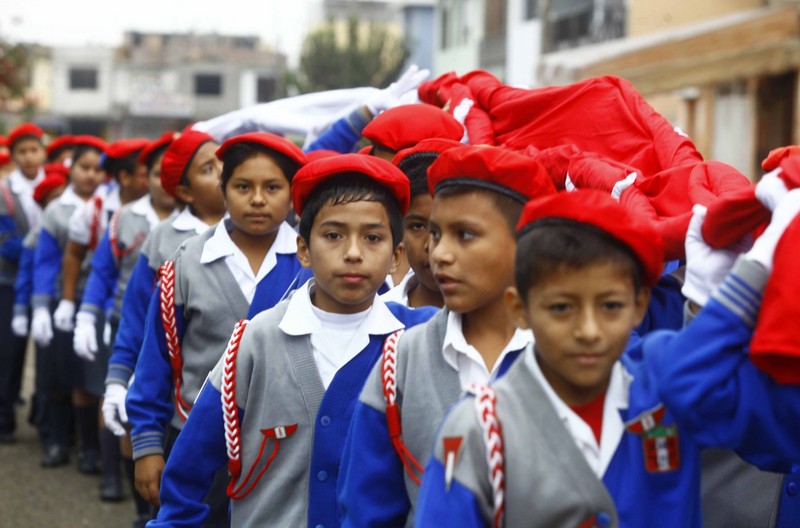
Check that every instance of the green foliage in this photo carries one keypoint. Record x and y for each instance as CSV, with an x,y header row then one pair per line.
x,y
14,71
368,55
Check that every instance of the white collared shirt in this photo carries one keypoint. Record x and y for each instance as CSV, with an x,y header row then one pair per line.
x,y
399,293
466,359
335,338
144,207
68,197
186,221
82,219
23,188
598,457
220,245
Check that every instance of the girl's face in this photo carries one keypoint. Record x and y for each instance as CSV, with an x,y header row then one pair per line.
x,y
257,196
204,193
85,173
160,198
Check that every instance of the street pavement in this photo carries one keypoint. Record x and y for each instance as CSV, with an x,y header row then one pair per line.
x,y
34,497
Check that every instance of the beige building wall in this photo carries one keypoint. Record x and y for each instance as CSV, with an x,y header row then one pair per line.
x,y
646,16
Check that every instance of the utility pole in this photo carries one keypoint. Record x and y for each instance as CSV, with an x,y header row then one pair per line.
x,y
544,17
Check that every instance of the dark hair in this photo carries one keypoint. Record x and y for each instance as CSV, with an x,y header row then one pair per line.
x,y
552,244
153,156
415,167
510,208
241,152
54,154
116,165
20,139
81,149
349,187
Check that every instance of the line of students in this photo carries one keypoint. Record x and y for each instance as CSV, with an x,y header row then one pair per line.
x,y
318,409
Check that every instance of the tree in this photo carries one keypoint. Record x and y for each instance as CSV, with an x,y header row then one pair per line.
x,y
368,55
14,66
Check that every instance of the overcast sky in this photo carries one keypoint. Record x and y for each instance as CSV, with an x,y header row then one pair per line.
x,y
279,23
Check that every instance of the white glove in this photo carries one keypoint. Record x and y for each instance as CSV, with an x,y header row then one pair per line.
x,y
42,326
107,334
764,247
706,267
19,325
85,339
770,190
390,96
62,317
114,412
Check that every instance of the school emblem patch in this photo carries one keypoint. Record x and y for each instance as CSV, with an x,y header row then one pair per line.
x,y
659,442
452,450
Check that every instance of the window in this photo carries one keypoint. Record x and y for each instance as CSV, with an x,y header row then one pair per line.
x,y
83,79
265,89
531,9
208,84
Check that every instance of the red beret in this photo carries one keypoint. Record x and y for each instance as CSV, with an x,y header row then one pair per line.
x,y
384,173
775,345
425,150
165,139
600,210
320,153
3,141
270,141
60,142
406,125
775,156
178,156
22,131
126,147
90,141
4,159
366,151
55,176
492,168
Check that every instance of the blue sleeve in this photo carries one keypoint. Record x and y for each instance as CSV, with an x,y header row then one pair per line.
x,y
10,244
372,489
102,279
150,397
439,506
130,333
47,263
343,135
665,311
199,452
717,396
24,284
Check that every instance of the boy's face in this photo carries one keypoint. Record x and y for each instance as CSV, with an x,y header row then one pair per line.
x,y
203,191
415,239
471,251
257,195
581,320
29,155
135,183
85,173
351,252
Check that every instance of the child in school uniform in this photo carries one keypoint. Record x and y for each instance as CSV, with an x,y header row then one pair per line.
x,y
111,266
188,168
595,426
478,194
18,214
63,376
290,377
50,188
126,182
418,288
243,266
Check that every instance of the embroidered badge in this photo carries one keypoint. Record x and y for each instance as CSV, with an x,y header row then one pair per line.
x,y
601,520
659,442
452,450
